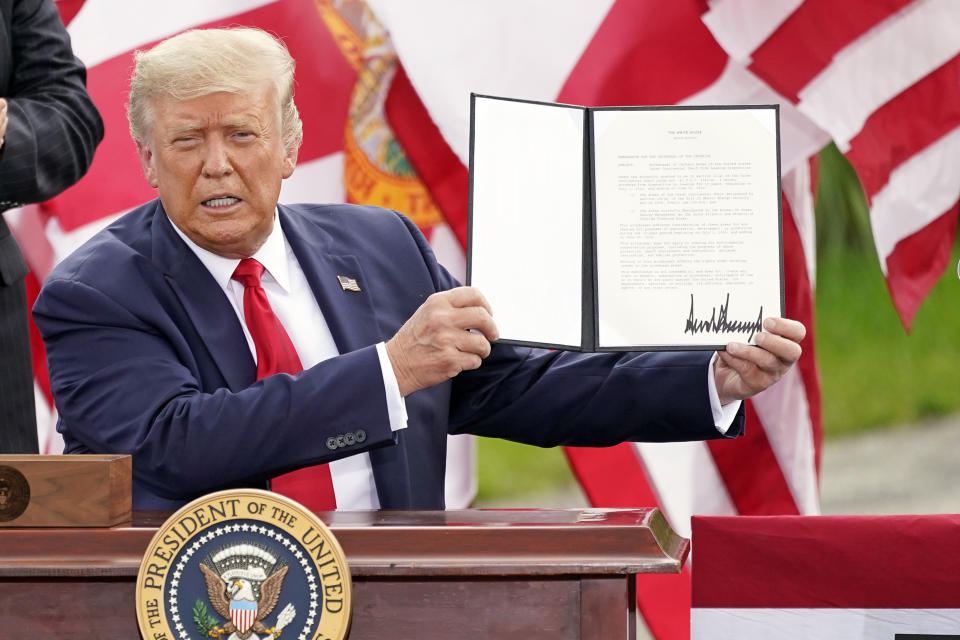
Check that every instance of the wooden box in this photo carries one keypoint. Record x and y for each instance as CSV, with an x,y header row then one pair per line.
x,y
65,491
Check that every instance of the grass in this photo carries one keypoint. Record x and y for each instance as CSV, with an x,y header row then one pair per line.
x,y
508,469
872,373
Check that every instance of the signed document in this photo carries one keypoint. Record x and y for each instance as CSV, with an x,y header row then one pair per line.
x,y
627,228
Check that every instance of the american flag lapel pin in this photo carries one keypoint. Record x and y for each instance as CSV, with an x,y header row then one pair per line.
x,y
348,284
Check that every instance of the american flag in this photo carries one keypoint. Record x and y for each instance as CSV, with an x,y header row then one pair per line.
x,y
243,613
624,52
879,77
348,284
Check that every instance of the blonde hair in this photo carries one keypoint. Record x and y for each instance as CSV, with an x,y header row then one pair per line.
x,y
203,61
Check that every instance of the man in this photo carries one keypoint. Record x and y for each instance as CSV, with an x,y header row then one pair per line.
x,y
167,342
48,131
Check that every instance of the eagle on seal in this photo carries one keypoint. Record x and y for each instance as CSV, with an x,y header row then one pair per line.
x,y
235,601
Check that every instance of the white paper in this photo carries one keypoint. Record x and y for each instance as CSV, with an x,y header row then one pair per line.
x,y
688,237
527,218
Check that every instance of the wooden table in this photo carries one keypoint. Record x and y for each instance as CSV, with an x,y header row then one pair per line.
x,y
526,574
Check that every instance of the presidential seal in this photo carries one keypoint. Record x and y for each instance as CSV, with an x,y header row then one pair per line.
x,y
14,493
243,565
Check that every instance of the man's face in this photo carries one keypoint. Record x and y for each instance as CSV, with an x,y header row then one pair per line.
x,y
218,162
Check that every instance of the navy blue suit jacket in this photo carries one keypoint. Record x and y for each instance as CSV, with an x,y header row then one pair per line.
x,y
147,357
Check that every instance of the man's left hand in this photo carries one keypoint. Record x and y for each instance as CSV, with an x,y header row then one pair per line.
x,y
744,370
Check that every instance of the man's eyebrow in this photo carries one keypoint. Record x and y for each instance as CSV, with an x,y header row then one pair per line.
x,y
240,123
184,128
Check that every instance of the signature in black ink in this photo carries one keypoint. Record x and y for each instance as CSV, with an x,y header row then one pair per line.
x,y
722,324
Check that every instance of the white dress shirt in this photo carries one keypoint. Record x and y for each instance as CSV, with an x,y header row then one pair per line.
x,y
723,415
296,307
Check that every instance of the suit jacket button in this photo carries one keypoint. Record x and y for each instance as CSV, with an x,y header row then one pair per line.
x,y
360,435
332,444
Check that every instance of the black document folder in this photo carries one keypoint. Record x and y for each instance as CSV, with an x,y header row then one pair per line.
x,y
625,228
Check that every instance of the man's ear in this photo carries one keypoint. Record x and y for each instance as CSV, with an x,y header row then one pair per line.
x,y
289,163
146,161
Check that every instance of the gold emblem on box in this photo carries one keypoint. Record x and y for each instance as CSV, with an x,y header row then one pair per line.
x,y
244,565
14,493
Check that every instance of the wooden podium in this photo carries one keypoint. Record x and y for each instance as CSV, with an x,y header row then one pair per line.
x,y
523,574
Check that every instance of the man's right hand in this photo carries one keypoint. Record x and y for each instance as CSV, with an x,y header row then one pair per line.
x,y
3,120
437,343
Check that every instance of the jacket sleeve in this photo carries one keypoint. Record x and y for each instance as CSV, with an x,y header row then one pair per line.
x,y
52,125
123,386
551,398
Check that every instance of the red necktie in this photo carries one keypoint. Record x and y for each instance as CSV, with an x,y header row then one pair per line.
x,y
312,487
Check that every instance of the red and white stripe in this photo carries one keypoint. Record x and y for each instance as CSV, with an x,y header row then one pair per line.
x,y
831,577
243,618
623,52
879,78
882,79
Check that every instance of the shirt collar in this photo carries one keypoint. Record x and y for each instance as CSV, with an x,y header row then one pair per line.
x,y
272,255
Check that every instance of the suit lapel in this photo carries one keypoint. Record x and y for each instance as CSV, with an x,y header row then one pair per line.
x,y
349,314
353,324
205,303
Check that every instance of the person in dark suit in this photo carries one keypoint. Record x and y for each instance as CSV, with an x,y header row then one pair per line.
x,y
48,131
152,327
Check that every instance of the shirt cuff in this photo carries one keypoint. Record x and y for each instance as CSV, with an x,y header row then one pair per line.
x,y
396,407
722,415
